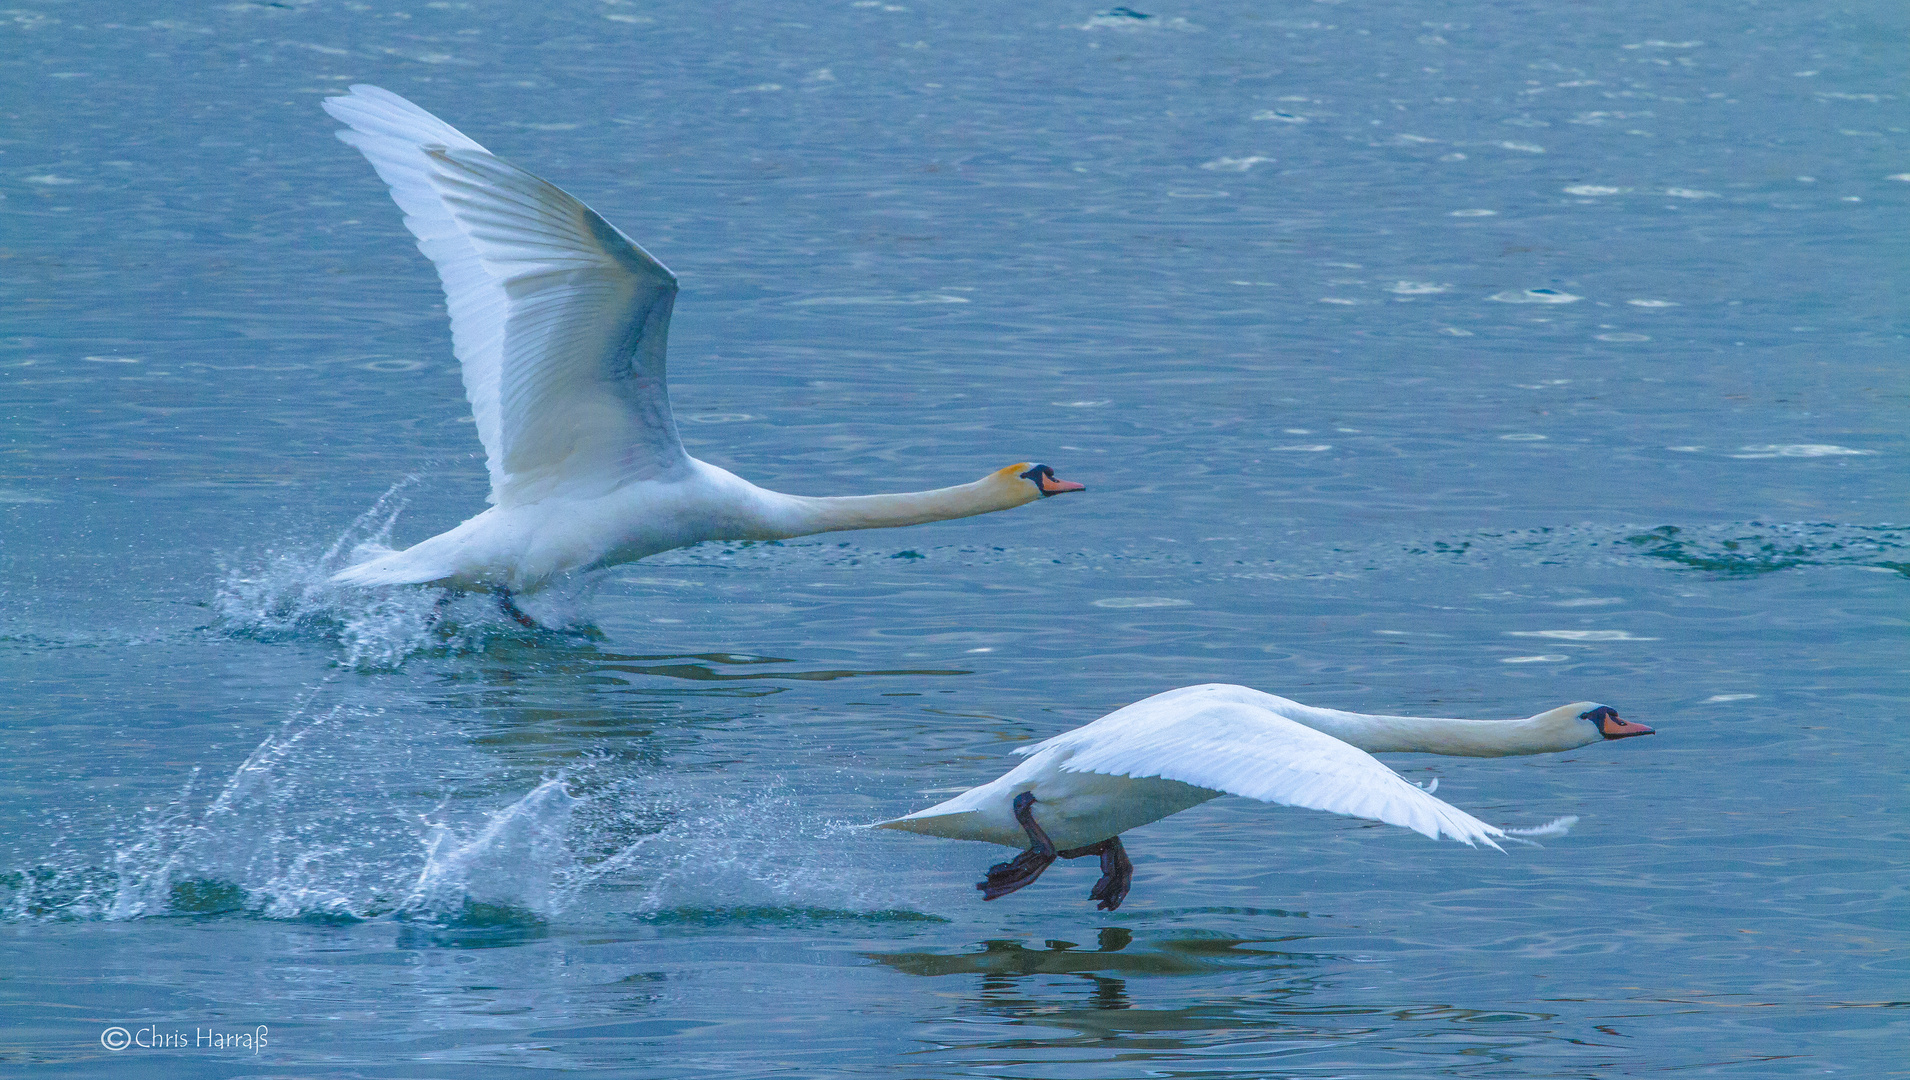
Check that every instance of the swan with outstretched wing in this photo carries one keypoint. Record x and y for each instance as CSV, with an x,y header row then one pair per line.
x,y
559,322
1079,791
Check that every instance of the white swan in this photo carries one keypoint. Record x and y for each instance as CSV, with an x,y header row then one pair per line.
x,y
1080,790
559,321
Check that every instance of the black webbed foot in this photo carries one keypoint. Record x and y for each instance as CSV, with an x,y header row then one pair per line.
x,y
1117,872
1022,870
508,605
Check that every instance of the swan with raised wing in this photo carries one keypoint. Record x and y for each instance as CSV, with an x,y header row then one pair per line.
x,y
1079,791
558,321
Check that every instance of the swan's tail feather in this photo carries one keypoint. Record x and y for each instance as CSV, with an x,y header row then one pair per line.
x,y
924,822
1558,826
394,568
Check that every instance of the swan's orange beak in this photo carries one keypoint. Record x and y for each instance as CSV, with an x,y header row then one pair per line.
x,y
1613,728
1043,478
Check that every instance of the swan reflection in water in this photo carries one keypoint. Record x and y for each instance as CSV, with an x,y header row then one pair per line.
x,y
1089,996
1088,992
1004,964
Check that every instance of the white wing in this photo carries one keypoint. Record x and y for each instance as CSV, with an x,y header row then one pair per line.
x,y
1244,749
390,132
558,320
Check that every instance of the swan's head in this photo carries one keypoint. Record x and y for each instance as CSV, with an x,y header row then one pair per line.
x,y
1606,720
1581,723
1603,719
1036,479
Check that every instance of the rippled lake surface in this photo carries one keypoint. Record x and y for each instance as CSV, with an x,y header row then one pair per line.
x,y
1459,359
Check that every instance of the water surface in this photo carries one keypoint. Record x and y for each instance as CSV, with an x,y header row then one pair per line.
x,y
1461,361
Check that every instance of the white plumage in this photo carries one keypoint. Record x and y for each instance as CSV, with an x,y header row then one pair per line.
x,y
559,322
1181,748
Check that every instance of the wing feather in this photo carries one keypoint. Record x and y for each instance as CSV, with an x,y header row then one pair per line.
x,y
566,318
1244,749
391,132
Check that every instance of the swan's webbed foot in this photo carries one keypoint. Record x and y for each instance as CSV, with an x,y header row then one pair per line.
x,y
508,605
1117,872
1023,869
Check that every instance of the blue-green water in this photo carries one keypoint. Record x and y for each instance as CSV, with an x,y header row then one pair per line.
x,y
1445,359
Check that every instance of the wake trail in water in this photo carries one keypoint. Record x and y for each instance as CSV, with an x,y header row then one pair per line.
x,y
1736,549
711,851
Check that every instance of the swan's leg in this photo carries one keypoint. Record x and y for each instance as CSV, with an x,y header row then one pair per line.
x,y
1117,873
1023,869
509,607
438,609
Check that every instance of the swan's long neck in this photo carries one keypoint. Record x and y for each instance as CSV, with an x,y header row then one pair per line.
x,y
1546,733
801,515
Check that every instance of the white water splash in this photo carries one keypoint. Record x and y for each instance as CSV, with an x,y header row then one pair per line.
x,y
514,860
145,868
292,596
326,819
1558,826
269,846
177,843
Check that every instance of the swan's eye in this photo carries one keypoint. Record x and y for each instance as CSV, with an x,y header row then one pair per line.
x,y
1037,473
